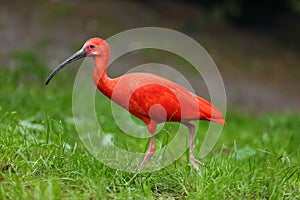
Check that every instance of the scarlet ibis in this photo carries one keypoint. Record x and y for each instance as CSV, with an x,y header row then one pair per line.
x,y
179,104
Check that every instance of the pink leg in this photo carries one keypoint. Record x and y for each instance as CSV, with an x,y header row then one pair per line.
x,y
193,161
149,153
151,128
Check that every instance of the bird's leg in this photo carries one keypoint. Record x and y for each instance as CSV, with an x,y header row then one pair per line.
x,y
193,161
151,125
149,153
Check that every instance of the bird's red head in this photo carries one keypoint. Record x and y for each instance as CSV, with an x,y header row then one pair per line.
x,y
91,48
95,47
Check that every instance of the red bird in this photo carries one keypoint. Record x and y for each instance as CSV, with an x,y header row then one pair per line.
x,y
149,97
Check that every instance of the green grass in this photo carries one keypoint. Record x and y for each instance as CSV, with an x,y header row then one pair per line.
x,y
257,157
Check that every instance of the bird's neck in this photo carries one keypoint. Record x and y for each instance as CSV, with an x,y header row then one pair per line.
x,y
102,81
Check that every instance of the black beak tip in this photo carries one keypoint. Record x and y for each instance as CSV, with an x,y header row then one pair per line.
x,y
47,81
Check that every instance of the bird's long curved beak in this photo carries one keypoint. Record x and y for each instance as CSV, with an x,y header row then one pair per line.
x,y
76,56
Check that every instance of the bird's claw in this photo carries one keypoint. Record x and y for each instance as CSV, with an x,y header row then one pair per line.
x,y
194,163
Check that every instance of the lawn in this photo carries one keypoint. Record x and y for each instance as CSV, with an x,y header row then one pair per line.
x,y
42,157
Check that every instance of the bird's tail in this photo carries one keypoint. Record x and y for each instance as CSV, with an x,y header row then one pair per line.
x,y
210,112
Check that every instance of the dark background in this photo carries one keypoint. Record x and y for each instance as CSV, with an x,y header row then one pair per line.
x,y
255,43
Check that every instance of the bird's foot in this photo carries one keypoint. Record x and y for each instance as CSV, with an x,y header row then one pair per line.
x,y
194,162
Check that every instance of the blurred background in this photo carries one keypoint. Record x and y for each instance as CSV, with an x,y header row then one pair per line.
x,y
255,44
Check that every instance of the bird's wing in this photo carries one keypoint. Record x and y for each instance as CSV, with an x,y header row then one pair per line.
x,y
153,96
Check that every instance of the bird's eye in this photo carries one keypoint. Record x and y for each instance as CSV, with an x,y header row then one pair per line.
x,y
92,46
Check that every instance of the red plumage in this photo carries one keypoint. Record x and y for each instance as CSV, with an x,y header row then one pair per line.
x,y
144,90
